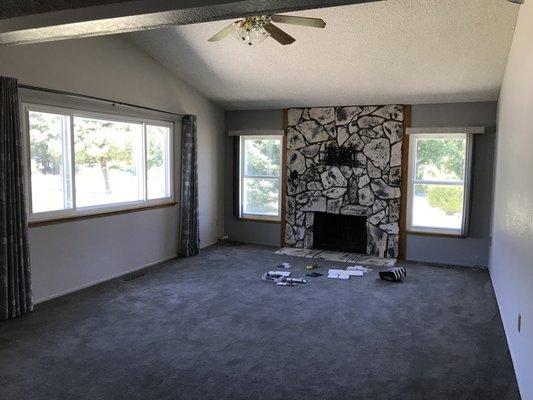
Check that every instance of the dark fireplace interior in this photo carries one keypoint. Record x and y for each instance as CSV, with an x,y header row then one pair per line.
x,y
339,232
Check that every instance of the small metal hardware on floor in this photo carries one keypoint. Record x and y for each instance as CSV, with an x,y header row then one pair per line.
x,y
311,266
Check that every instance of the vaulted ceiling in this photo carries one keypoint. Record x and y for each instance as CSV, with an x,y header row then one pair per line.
x,y
395,51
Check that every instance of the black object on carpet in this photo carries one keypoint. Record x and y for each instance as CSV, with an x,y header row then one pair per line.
x,y
207,327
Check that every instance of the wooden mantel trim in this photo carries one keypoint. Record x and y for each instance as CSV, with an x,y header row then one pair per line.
x,y
284,177
402,245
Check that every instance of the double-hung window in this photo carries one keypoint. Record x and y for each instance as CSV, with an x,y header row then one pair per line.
x,y
260,177
83,163
439,174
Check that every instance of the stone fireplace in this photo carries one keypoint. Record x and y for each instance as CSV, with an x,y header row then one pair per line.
x,y
363,182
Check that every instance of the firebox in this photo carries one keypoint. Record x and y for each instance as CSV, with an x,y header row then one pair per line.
x,y
339,232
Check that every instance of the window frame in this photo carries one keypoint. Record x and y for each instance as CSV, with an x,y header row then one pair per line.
x,y
465,183
242,176
74,211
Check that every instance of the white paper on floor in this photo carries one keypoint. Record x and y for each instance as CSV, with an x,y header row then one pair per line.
x,y
338,274
345,272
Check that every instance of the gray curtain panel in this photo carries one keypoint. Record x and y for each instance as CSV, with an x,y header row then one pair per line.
x,y
190,235
15,282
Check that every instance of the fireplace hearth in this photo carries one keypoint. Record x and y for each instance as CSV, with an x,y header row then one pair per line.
x,y
340,232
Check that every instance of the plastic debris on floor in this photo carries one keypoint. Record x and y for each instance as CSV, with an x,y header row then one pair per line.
x,y
282,278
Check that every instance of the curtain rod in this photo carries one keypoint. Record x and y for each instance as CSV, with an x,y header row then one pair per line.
x,y
84,96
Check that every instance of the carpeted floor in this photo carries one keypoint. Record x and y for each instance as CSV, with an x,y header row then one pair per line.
x,y
208,328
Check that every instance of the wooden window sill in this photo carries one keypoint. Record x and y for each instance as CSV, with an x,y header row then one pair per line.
x,y
99,214
434,234
268,221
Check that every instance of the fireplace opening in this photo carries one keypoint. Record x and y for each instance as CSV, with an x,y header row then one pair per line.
x,y
339,232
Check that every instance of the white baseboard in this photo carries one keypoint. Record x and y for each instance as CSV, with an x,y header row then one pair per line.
x,y
437,263
86,285
203,246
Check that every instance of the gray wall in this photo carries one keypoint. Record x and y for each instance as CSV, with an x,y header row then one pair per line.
x,y
469,251
249,231
71,255
474,249
511,261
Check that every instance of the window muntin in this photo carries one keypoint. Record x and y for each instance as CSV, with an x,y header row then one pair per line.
x,y
104,162
260,183
157,161
438,183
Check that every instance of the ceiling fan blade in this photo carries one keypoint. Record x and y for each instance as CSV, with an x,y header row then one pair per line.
x,y
278,35
304,21
223,33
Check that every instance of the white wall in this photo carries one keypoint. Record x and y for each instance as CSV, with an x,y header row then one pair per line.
x,y
511,263
75,254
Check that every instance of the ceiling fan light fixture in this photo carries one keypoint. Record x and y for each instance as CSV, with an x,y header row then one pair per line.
x,y
255,29
250,31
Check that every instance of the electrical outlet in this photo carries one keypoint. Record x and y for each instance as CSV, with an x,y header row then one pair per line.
x,y
519,325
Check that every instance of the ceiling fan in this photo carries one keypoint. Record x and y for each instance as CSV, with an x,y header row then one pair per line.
x,y
255,29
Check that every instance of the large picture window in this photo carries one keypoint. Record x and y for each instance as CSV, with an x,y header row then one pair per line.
x,y
260,177
83,162
438,194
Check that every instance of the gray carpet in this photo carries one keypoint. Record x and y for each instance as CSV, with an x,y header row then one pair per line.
x,y
208,328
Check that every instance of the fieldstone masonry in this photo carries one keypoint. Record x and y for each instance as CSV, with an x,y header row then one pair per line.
x,y
371,189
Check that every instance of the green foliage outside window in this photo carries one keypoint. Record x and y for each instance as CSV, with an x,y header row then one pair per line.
x,y
440,159
45,131
447,198
102,150
262,196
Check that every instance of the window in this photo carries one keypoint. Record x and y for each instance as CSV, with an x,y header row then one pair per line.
x,y
84,163
260,177
439,171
